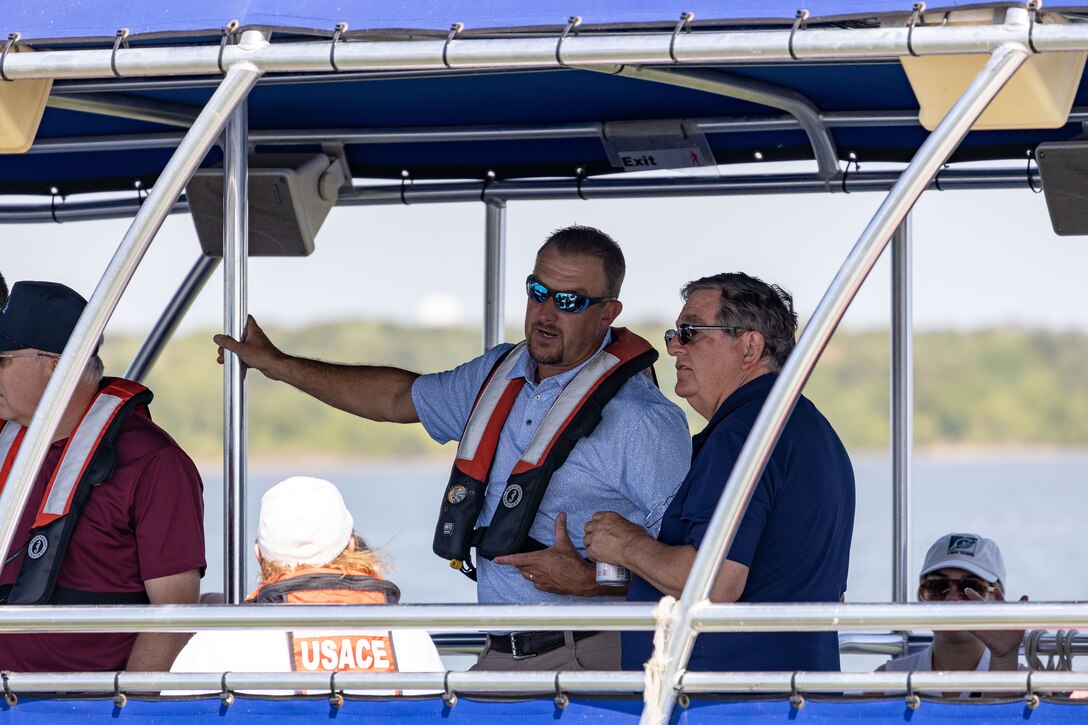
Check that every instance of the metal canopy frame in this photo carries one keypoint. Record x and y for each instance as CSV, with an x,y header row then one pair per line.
x,y
1009,44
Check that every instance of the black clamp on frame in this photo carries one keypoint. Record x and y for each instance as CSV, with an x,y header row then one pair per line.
x,y
336,697
454,34
572,23
230,33
684,24
120,699
13,40
1034,16
918,12
120,39
448,696
580,172
341,28
913,701
9,697
800,22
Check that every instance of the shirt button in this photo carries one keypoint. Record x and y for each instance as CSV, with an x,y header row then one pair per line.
x,y
529,422
537,398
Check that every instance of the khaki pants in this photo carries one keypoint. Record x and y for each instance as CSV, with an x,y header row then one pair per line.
x,y
596,652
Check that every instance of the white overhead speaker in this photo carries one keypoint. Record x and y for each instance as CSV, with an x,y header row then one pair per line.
x,y
289,197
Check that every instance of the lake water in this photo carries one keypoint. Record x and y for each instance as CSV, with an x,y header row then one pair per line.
x,y
1031,503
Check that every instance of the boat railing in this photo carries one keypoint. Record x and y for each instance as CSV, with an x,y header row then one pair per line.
x,y
559,685
868,627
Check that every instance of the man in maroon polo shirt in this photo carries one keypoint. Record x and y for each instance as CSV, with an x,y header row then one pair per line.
x,y
139,536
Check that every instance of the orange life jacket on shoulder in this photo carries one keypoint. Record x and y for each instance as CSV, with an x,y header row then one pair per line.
x,y
573,416
316,651
88,459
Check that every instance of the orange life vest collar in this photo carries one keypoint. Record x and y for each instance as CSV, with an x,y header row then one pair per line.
x,y
573,416
319,585
87,460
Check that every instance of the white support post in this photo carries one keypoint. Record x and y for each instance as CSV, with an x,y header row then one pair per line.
x,y
494,272
753,456
902,412
239,80
235,295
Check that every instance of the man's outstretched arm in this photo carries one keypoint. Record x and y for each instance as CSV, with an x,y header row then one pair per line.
x,y
373,392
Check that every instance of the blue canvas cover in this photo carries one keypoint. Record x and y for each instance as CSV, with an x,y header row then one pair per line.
x,y
580,712
511,100
100,19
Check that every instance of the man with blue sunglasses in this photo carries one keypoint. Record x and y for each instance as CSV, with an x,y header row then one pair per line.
x,y
551,430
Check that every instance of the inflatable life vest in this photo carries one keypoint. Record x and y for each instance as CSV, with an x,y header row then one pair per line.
x,y
88,459
573,416
332,651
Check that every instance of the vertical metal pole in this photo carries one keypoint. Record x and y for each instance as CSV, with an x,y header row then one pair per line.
x,y
240,79
902,387
661,690
235,279
168,321
494,272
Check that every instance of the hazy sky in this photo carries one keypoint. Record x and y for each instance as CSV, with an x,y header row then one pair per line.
x,y
980,259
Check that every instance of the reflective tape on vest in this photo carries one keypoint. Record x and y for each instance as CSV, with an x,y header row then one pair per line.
x,y
11,435
564,408
76,457
483,424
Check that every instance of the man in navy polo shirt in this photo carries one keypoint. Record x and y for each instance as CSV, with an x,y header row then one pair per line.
x,y
733,336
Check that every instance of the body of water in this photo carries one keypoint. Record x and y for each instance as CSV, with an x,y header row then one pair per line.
x,y
1032,504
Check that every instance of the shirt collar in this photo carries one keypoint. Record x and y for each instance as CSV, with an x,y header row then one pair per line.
x,y
751,390
526,366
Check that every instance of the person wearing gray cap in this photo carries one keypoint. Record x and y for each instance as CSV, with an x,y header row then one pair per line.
x,y
114,516
963,567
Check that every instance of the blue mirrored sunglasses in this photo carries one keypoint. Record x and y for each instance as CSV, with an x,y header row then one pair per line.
x,y
572,302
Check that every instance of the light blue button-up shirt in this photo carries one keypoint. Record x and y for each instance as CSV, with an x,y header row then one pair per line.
x,y
632,463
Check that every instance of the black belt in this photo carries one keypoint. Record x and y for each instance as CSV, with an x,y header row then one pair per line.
x,y
529,644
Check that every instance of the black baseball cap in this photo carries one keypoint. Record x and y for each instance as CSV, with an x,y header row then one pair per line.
x,y
39,316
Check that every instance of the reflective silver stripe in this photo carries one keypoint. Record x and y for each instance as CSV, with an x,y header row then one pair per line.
x,y
567,401
7,438
79,449
485,407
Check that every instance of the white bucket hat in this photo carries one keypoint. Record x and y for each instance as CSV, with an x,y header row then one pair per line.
x,y
303,521
969,552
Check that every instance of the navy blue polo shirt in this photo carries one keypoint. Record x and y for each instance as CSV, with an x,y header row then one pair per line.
x,y
794,537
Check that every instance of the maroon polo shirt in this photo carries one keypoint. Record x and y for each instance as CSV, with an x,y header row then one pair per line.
x,y
144,522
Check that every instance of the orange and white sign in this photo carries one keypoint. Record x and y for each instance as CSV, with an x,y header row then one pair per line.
x,y
352,653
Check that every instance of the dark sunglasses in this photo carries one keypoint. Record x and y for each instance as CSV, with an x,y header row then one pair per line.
x,y
573,302
937,587
685,332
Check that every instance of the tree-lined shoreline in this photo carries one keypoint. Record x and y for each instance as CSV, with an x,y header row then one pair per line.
x,y
1007,387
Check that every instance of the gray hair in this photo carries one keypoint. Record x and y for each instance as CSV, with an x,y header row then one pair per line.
x,y
95,369
750,303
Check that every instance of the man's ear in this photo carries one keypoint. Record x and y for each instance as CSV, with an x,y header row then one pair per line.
x,y
609,312
754,347
257,551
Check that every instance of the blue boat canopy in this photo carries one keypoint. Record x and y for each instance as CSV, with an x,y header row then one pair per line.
x,y
554,122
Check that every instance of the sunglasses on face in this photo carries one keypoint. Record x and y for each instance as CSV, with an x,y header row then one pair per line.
x,y
937,587
686,332
573,302
6,356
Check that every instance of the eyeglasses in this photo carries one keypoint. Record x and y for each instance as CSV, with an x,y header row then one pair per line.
x,y
686,332
573,302
937,587
5,356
